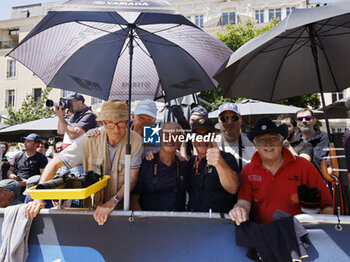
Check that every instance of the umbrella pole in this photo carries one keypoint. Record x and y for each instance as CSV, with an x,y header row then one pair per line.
x,y
128,145
315,56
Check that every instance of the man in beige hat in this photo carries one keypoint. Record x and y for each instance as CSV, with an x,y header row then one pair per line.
x,y
107,151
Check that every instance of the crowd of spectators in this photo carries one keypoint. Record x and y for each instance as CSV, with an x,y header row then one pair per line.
x,y
248,175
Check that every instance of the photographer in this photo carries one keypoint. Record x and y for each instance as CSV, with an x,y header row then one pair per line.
x,y
83,119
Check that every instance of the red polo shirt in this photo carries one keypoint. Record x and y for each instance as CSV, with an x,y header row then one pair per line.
x,y
268,192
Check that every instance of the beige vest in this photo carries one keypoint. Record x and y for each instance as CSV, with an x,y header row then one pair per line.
x,y
96,156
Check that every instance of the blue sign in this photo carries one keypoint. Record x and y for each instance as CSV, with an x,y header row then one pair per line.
x,y
151,134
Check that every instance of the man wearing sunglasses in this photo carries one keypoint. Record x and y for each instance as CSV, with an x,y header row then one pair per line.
x,y
106,152
308,133
231,139
297,148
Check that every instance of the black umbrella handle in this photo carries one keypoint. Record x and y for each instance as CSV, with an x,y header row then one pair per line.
x,y
315,56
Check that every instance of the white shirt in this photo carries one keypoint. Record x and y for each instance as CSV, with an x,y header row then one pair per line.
x,y
248,149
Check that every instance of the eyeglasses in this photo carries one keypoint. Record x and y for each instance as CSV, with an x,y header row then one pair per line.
x,y
268,141
111,125
225,119
307,118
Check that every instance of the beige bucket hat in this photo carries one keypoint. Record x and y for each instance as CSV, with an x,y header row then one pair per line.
x,y
113,110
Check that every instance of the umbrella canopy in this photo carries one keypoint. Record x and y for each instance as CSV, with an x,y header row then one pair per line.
x,y
339,109
2,125
45,128
145,50
308,52
280,63
87,52
251,110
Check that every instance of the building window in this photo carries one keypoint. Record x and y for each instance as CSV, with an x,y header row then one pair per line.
x,y
229,18
289,9
199,20
11,69
13,31
275,13
10,98
67,93
95,100
337,96
37,94
259,16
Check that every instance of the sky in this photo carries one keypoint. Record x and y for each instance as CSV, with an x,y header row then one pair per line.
x,y
5,5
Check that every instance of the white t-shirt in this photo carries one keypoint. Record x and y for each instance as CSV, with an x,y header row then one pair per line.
x,y
248,149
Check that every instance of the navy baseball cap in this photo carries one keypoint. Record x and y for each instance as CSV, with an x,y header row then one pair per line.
x,y
33,137
75,96
199,111
204,123
12,185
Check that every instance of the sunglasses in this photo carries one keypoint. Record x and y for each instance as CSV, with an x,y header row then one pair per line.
x,y
307,118
225,119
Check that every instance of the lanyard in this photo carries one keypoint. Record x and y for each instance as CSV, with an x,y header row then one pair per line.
x,y
196,172
240,151
155,177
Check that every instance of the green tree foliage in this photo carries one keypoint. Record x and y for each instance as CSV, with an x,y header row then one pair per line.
x,y
31,110
234,37
304,101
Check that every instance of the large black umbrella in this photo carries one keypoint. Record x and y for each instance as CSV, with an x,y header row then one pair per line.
x,y
126,50
308,52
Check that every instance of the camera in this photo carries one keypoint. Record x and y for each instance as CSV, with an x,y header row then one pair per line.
x,y
64,103
57,181
69,180
83,180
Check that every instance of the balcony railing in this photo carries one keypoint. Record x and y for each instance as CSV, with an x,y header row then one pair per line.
x,y
8,44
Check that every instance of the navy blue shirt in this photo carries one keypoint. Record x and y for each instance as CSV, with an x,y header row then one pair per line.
x,y
205,189
159,194
319,142
84,119
28,166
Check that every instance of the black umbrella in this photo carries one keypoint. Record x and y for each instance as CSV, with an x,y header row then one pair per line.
x,y
308,52
132,49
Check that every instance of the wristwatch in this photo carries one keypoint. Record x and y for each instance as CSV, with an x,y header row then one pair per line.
x,y
117,199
